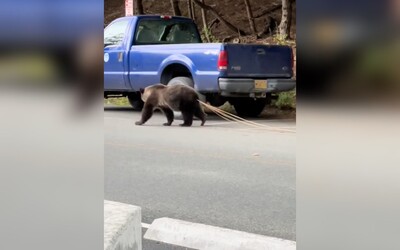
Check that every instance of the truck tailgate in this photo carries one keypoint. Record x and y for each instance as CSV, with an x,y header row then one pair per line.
x,y
258,61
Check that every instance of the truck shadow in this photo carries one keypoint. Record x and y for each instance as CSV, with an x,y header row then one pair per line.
x,y
120,108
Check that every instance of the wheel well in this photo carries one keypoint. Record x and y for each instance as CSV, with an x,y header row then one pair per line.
x,y
174,70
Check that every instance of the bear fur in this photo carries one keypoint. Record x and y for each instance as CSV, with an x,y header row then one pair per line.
x,y
177,97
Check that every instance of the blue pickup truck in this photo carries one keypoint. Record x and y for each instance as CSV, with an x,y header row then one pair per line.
x,y
143,50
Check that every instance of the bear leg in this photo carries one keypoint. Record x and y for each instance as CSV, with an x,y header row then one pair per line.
x,y
169,114
146,114
199,113
187,118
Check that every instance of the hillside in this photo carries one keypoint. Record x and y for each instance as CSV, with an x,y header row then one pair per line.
x,y
232,10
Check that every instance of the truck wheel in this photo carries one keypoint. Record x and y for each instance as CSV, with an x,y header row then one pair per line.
x,y
185,81
247,107
216,100
181,80
136,102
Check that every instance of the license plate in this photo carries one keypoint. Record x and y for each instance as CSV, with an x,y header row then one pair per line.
x,y
260,84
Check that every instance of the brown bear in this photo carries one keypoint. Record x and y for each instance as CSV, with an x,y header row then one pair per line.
x,y
177,97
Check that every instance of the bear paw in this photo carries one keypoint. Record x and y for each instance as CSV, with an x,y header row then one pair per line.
x,y
139,123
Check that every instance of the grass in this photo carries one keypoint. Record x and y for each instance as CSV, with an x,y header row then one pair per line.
x,y
120,101
286,100
228,107
280,40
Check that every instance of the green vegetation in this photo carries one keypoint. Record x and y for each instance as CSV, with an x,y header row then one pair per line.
x,y
120,101
280,40
207,31
227,107
286,100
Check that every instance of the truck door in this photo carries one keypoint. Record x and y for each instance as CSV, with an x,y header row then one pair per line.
x,y
114,56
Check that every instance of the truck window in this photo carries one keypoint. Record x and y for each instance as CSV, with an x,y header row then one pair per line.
x,y
166,31
114,34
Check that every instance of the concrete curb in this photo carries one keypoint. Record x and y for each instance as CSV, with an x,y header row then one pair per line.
x,y
122,226
205,237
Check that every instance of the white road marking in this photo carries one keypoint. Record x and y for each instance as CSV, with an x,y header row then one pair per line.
x,y
145,225
200,236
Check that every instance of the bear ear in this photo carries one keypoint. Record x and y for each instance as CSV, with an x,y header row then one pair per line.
x,y
141,91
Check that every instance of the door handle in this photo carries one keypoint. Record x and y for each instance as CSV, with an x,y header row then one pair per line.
x,y
120,57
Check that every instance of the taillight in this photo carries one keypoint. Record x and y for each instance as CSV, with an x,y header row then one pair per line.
x,y
222,60
166,17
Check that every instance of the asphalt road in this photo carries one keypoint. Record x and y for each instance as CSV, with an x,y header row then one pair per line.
x,y
222,174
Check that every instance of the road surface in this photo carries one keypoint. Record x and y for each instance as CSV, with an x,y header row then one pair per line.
x,y
222,174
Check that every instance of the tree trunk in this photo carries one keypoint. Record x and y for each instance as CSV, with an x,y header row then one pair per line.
x,y
193,10
284,27
190,8
139,7
250,17
204,18
217,15
175,7
290,17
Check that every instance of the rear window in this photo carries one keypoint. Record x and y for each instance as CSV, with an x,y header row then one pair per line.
x,y
166,31
115,32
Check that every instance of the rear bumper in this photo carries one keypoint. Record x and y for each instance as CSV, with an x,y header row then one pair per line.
x,y
234,87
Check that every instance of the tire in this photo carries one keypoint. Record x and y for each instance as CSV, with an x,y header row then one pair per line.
x,y
216,100
247,107
181,80
136,102
185,81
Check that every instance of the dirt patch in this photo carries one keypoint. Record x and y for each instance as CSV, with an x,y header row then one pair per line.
x,y
271,112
